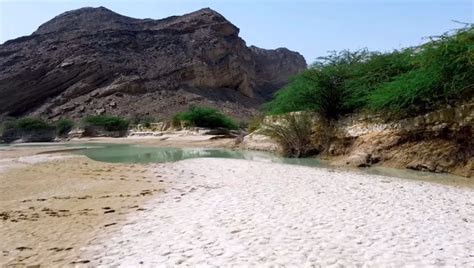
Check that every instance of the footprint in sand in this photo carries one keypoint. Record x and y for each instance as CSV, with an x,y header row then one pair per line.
x,y
80,262
23,248
60,249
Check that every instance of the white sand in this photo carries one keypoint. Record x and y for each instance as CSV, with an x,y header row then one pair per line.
x,y
237,212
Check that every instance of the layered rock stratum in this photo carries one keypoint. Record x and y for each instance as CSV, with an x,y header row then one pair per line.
x,y
95,61
439,141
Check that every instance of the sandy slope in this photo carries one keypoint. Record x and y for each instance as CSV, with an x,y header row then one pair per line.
x,y
237,212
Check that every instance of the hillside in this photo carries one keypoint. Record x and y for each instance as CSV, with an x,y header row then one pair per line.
x,y
95,61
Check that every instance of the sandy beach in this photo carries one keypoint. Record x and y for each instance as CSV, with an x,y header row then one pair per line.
x,y
59,210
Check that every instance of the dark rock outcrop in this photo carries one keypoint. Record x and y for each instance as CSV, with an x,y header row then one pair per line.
x,y
94,61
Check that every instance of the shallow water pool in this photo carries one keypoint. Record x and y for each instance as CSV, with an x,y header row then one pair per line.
x,y
131,153
127,153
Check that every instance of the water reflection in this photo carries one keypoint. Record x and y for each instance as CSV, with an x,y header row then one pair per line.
x,y
122,153
127,153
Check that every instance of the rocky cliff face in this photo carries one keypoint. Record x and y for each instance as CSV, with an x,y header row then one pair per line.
x,y
94,61
439,141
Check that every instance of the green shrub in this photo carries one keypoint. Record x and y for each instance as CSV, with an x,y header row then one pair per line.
x,y
29,124
64,126
109,123
320,88
443,73
293,133
29,129
206,117
366,76
402,82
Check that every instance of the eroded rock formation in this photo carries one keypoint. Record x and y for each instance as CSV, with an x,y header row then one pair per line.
x,y
95,61
439,141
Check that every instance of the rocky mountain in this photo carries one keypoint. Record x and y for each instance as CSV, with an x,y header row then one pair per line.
x,y
95,61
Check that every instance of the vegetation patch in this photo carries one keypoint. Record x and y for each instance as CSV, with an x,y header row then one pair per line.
x,y
29,124
293,132
205,117
109,123
399,83
29,129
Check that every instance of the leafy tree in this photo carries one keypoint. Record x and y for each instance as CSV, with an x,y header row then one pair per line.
x,y
401,82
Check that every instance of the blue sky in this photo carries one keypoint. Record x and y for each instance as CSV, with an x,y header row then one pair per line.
x,y
309,27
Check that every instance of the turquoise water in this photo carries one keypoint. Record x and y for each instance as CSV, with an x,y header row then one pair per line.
x,y
126,153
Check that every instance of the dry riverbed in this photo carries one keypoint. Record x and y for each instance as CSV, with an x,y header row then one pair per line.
x,y
58,209
51,206
236,212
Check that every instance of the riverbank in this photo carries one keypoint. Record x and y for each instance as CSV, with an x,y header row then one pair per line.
x,y
167,140
52,206
440,141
